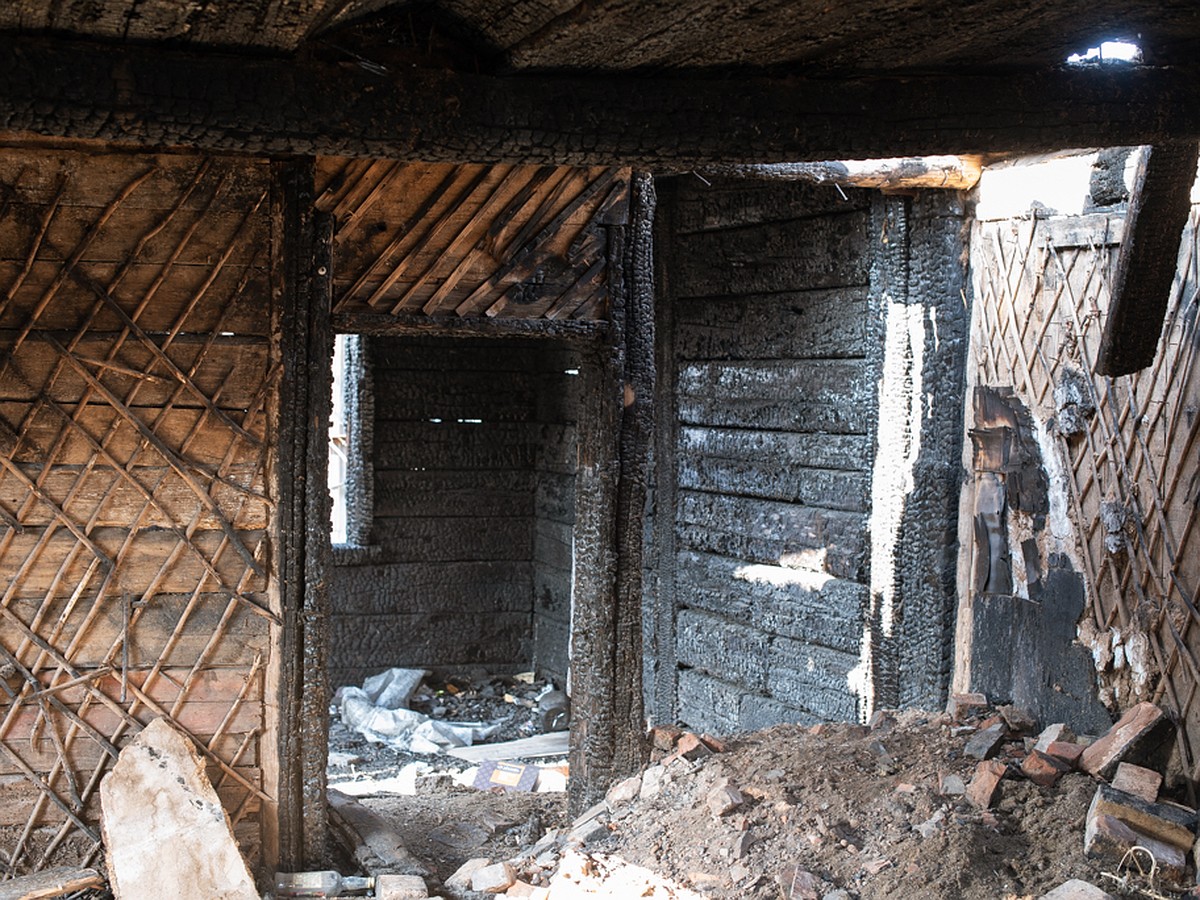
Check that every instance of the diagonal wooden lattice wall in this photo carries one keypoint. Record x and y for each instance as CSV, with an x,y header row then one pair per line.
x,y
420,241
1126,452
135,502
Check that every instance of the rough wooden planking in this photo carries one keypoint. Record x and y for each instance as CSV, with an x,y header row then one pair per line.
x,y
439,240
136,382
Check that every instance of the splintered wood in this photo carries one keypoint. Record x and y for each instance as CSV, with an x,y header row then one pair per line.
x,y
135,497
462,242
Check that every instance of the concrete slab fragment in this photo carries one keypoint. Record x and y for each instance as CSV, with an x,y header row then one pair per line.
x,y
165,832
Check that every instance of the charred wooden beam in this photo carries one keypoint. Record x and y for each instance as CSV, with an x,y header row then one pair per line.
x,y
955,173
1158,211
302,266
477,327
159,97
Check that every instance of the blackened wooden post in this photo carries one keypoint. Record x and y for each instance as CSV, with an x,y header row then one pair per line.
x,y
1159,205
615,429
306,347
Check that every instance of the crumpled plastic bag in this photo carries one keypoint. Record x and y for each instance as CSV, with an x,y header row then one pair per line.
x,y
378,711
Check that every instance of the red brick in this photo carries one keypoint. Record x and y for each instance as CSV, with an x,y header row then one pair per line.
x,y
1067,752
982,789
960,706
1137,780
1140,732
1043,769
663,737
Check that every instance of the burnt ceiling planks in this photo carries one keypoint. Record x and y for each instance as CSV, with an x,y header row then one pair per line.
x,y
463,242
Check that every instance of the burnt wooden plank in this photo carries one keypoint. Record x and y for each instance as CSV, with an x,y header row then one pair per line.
x,y
727,203
209,440
1159,205
84,178
822,396
776,533
67,229
461,539
138,570
446,639
233,373
453,493
454,445
787,325
41,752
846,452
276,106
765,478
221,307
708,703
18,797
421,396
814,678
775,599
723,648
105,497
469,587
823,252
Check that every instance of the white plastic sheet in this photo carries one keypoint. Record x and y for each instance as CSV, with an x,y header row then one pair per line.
x,y
379,712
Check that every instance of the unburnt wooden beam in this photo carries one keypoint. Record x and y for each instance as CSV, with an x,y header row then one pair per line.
x,y
955,173
155,96
1159,205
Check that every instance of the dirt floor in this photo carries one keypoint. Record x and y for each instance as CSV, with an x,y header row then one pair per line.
x,y
828,813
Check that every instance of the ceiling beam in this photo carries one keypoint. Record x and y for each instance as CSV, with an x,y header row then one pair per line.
x,y
1159,205
160,97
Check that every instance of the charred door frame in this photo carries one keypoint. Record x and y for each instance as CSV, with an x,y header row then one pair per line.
x,y
614,436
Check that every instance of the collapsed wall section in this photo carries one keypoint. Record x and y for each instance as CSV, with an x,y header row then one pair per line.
x,y
1082,558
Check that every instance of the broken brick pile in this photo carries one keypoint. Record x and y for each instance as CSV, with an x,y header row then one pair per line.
x,y
1132,838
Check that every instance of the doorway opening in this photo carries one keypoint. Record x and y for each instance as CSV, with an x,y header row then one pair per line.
x,y
452,469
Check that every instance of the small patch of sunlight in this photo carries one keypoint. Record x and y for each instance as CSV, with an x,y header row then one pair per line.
x,y
470,421
1058,186
859,679
570,371
782,576
1108,52
581,875
812,559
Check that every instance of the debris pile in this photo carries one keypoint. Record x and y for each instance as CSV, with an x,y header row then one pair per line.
x,y
403,709
974,803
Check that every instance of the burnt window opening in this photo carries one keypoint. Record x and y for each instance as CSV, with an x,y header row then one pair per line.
x,y
351,430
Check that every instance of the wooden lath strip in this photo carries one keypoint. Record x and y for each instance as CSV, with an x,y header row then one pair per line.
x,y
483,209
467,195
434,304
36,246
93,691
401,237
148,496
363,206
150,344
1125,489
72,259
166,452
527,257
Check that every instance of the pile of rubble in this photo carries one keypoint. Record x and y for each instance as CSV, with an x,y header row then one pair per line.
x,y
974,803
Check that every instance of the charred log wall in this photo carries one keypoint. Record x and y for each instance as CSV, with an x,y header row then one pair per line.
x,y
791,316
769,437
